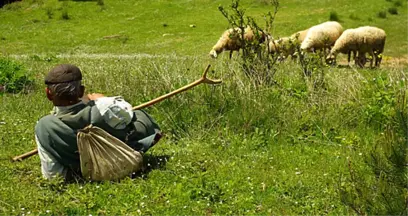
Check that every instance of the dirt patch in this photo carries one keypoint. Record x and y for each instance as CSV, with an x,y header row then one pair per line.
x,y
387,62
395,62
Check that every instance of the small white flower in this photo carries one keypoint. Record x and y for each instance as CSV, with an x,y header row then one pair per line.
x,y
185,207
138,211
360,153
298,173
168,201
97,186
22,209
48,211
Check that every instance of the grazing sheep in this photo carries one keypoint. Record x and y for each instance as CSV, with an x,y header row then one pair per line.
x,y
360,40
287,46
322,36
230,40
372,42
300,35
347,43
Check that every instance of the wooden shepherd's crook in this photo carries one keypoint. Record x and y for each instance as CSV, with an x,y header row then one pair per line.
x,y
203,79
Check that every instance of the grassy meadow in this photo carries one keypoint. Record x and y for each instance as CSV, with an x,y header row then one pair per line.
x,y
236,148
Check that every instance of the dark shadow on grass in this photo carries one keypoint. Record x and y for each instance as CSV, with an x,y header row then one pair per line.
x,y
150,163
343,66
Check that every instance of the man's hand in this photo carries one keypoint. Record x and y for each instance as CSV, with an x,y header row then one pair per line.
x,y
95,96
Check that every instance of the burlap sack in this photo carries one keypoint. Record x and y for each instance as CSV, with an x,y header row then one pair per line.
x,y
104,157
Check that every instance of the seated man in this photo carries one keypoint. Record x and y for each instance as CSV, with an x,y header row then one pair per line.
x,y
56,134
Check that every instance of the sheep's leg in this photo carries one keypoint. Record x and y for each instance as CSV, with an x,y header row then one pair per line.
x,y
354,54
348,57
230,55
378,58
360,60
372,59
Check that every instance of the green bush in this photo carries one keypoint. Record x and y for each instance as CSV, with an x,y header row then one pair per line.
x,y
382,14
354,17
13,76
398,3
393,11
334,16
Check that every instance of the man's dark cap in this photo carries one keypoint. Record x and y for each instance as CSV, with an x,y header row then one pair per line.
x,y
63,73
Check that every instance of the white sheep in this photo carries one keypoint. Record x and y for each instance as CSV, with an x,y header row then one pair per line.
x,y
360,40
372,42
231,40
322,36
347,43
287,46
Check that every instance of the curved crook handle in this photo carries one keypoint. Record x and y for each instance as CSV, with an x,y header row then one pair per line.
x,y
206,80
203,79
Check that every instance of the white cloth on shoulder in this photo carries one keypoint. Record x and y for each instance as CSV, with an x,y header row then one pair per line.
x,y
115,110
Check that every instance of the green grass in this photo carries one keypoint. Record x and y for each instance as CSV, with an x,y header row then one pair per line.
x,y
236,148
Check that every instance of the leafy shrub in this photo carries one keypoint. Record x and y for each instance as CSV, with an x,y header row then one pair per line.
x,y
256,62
384,190
49,12
382,14
398,3
334,16
354,17
10,5
393,10
100,3
380,110
13,76
65,15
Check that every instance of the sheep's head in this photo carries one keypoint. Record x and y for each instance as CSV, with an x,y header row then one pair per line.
x,y
273,46
213,53
331,59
